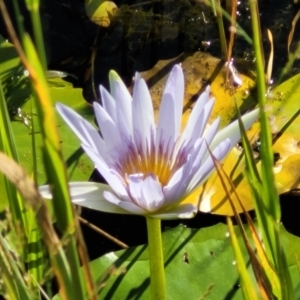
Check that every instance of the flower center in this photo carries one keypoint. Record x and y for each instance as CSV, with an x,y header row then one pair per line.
x,y
158,161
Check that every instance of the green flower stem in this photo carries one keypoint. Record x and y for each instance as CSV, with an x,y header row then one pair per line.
x,y
157,272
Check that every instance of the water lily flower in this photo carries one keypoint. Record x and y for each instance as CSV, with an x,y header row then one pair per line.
x,y
149,168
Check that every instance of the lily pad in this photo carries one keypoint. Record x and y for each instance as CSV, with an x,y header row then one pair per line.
x,y
24,119
79,166
200,69
199,264
283,111
100,11
283,104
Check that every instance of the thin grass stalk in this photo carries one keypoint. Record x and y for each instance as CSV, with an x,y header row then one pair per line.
x,y
7,145
54,164
56,172
24,220
216,6
259,272
271,211
19,18
233,7
239,29
256,188
291,59
33,8
248,290
10,274
34,147
58,257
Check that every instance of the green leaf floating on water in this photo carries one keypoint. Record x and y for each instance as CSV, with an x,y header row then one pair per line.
x,y
20,103
79,166
199,264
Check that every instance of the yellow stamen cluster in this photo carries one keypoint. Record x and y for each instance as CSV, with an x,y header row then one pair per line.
x,y
156,161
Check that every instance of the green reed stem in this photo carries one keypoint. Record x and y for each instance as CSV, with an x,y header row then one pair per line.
x,y
272,211
33,7
222,35
268,212
157,272
217,10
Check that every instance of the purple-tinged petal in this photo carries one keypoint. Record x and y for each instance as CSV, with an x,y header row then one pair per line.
x,y
108,128
181,211
92,138
198,118
109,103
82,128
208,166
123,104
171,109
126,205
112,179
135,186
209,132
142,113
178,184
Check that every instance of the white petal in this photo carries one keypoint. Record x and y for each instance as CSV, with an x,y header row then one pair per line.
x,y
175,183
87,194
146,193
165,134
130,207
123,101
182,211
211,131
152,196
109,104
45,191
175,87
232,131
143,114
